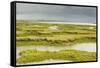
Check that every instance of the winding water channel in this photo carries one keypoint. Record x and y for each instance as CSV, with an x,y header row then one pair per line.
x,y
90,47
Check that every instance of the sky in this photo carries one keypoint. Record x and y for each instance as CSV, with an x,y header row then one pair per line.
x,y
26,11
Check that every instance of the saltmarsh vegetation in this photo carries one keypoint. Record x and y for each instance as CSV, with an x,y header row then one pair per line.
x,y
29,56
37,33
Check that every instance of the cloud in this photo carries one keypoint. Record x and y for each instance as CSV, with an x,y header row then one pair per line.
x,y
56,12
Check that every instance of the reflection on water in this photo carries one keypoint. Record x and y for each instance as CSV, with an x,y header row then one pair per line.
x,y
91,47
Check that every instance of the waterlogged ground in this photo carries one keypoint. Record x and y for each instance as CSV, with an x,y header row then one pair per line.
x,y
90,47
40,43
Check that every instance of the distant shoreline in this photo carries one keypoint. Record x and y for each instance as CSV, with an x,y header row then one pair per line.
x,y
54,22
74,23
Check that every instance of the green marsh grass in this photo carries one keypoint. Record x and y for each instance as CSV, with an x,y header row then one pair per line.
x,y
29,56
